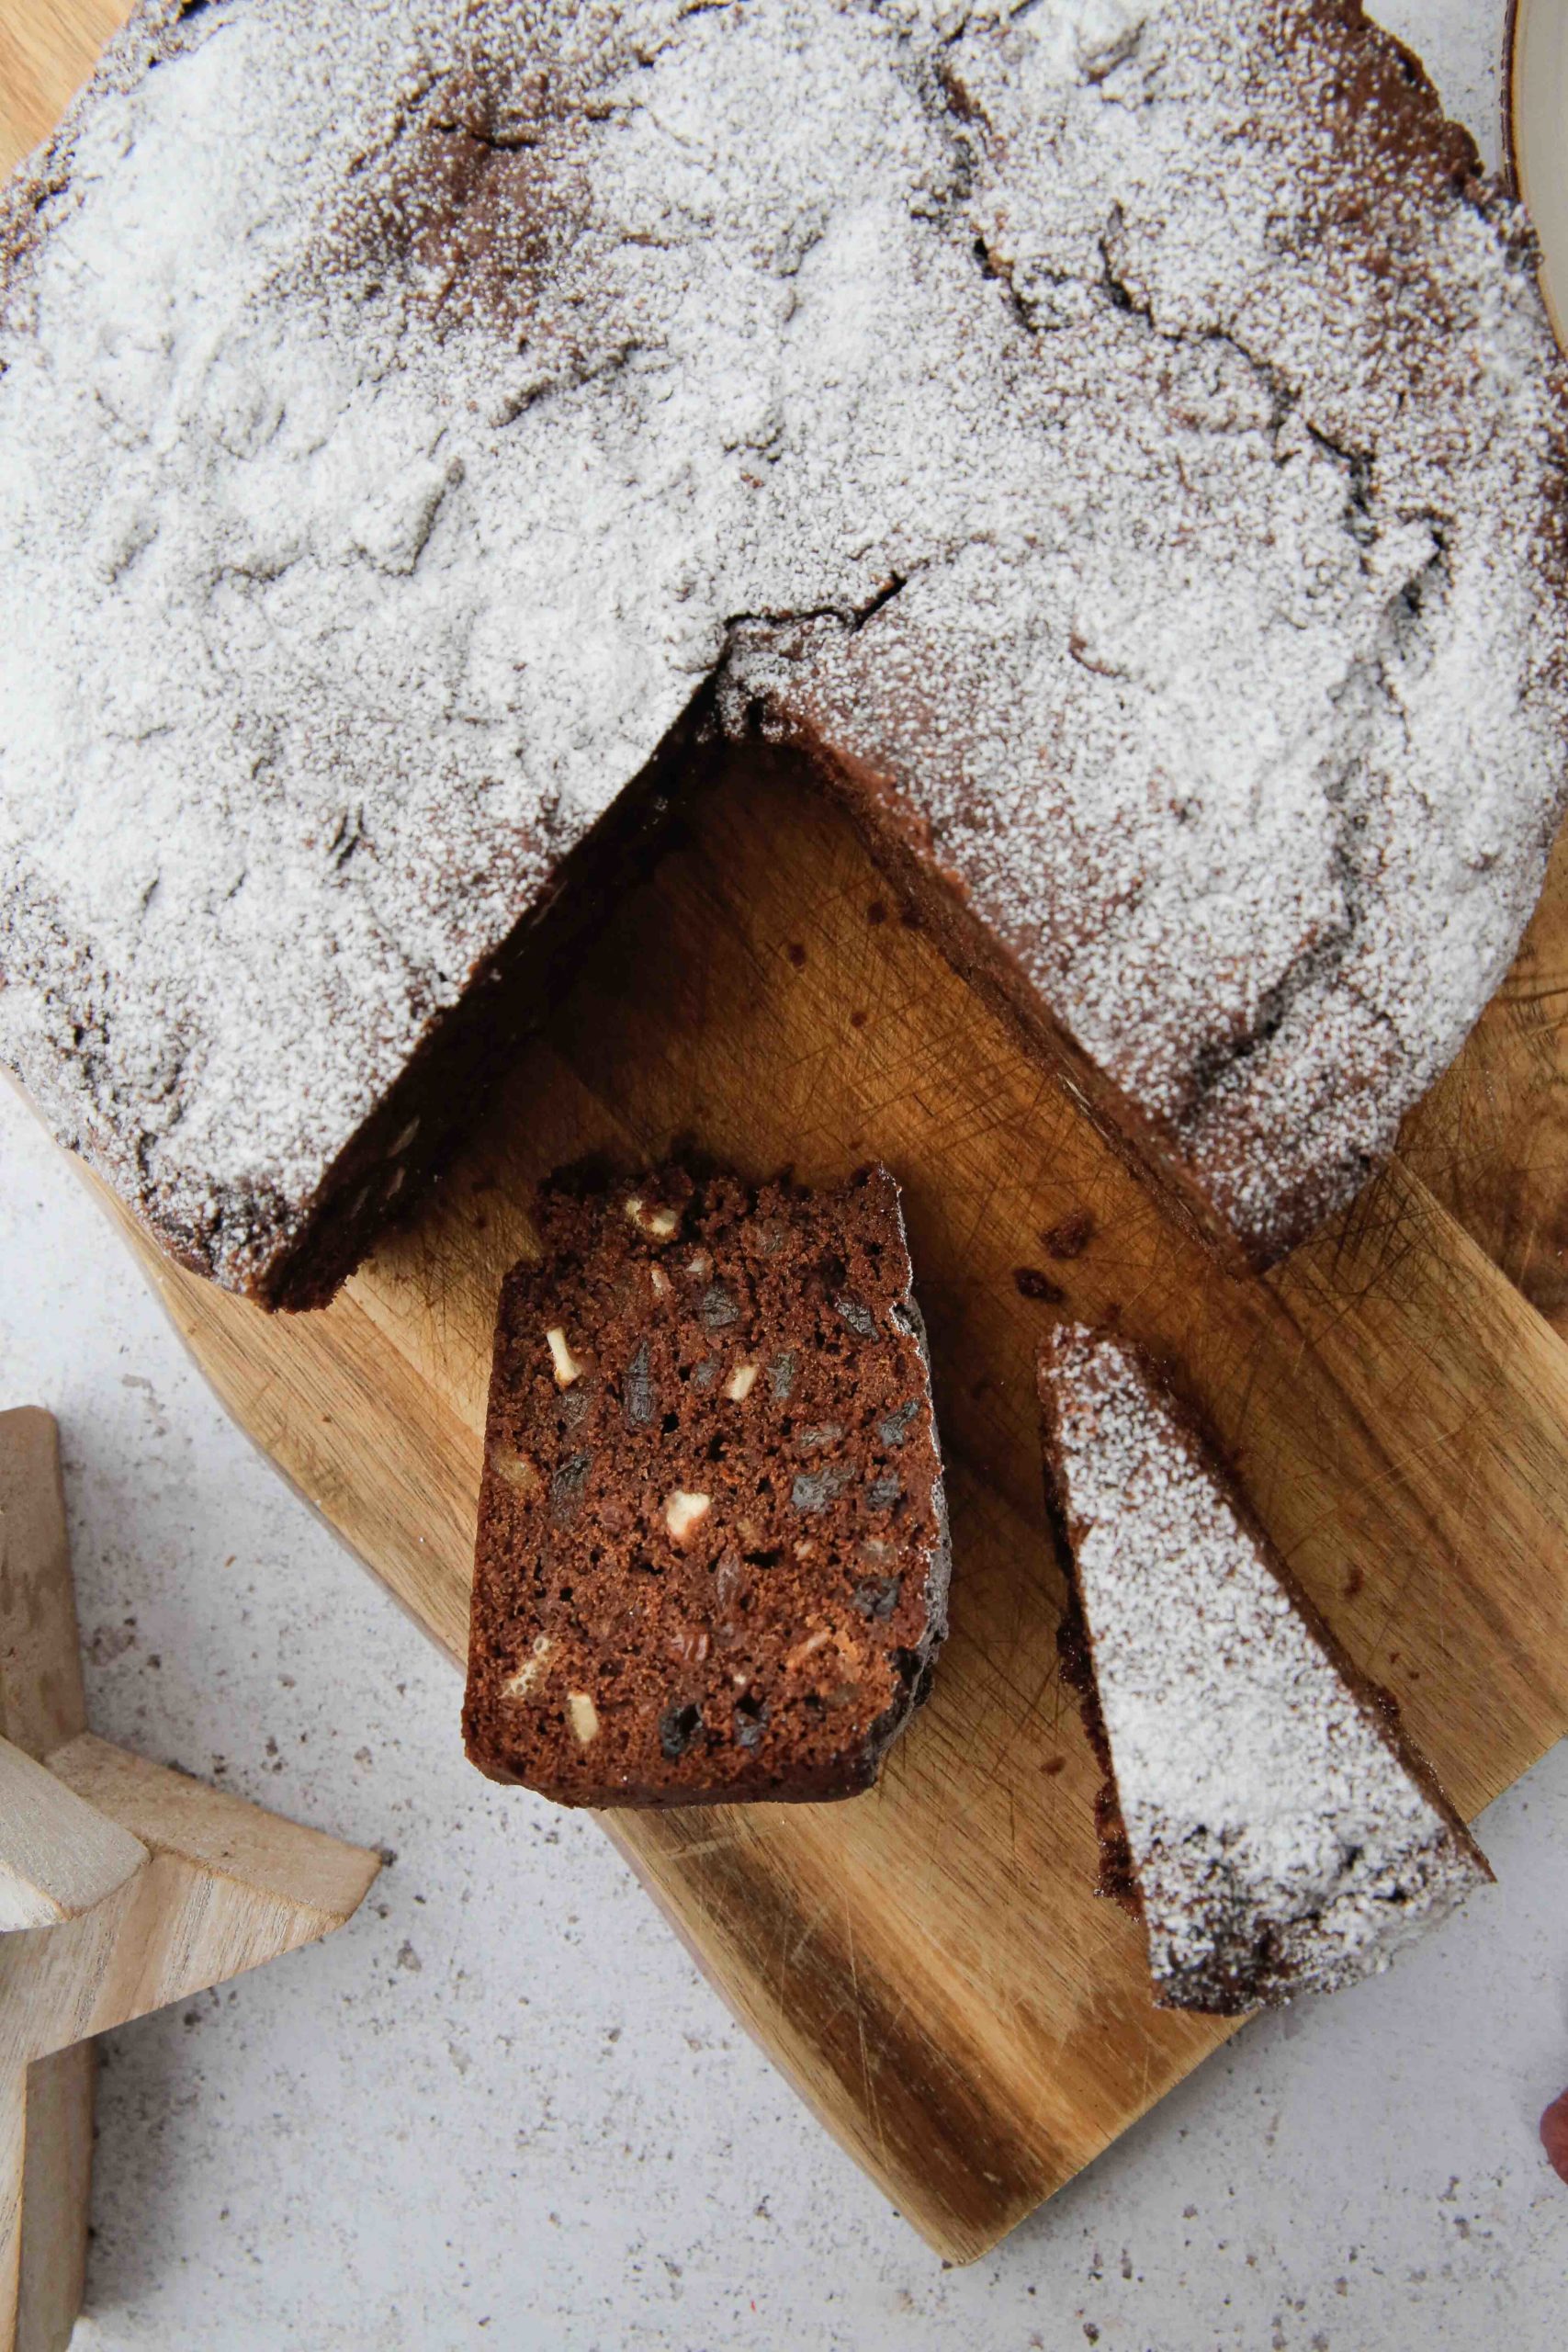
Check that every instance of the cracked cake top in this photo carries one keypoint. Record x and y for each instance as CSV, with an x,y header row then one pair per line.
x,y
1128,433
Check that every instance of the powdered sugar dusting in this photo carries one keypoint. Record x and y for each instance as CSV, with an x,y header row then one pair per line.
x,y
406,413
1281,1842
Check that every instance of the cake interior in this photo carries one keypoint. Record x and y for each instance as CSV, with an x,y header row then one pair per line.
x,y
712,1558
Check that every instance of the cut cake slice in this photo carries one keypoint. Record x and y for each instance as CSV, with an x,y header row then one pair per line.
x,y
1277,1832
712,1559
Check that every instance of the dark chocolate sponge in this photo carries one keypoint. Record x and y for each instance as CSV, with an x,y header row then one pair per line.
x,y
713,1556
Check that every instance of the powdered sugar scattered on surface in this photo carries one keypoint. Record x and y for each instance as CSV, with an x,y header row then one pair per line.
x,y
1279,1842
404,408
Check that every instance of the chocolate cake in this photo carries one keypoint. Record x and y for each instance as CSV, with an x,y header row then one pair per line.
x,y
1274,1829
712,1559
1116,449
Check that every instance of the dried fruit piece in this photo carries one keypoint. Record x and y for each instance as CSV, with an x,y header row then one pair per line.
x,y
877,1596
751,1720
638,1397
566,1482
678,1726
894,1427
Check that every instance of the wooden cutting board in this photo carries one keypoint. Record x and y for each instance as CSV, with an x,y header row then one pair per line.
x,y
929,1964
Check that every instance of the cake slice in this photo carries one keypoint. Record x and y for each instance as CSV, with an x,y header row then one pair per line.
x,y
713,1558
1279,1834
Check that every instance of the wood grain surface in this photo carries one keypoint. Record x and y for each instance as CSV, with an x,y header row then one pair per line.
x,y
929,1964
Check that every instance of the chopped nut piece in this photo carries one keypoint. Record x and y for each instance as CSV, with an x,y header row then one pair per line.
x,y
516,1470
688,1645
660,1282
701,1266
741,1382
568,1369
808,1648
584,1716
518,1685
684,1511
662,1223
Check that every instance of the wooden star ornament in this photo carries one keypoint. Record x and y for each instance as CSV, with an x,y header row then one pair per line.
x,y
122,1886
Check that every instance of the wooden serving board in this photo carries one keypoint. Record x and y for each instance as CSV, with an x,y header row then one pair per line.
x,y
929,1964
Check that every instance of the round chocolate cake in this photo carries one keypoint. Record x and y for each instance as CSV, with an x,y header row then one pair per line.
x,y
1117,442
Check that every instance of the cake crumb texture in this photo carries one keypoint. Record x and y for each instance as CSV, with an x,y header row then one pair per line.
x,y
712,1561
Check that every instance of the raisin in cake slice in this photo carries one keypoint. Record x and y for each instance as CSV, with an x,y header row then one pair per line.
x,y
1280,1835
713,1556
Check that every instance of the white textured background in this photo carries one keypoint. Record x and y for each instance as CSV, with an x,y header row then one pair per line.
x,y
501,2109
